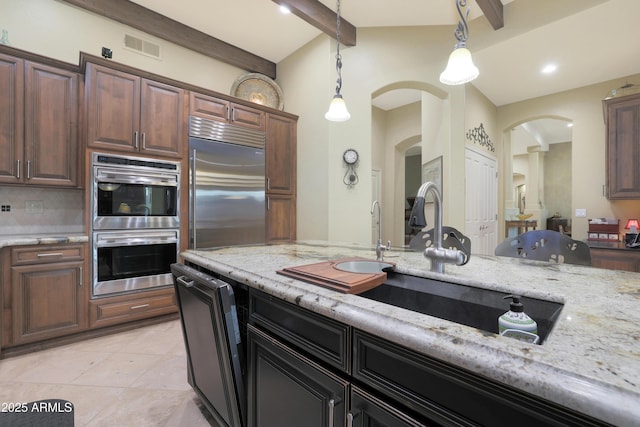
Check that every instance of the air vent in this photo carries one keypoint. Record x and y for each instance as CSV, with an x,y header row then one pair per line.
x,y
141,46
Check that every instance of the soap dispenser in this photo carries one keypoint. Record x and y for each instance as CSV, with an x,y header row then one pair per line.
x,y
516,318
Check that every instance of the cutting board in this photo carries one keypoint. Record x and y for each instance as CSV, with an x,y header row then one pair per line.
x,y
326,275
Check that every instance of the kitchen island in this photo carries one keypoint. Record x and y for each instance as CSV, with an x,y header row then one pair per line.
x,y
589,363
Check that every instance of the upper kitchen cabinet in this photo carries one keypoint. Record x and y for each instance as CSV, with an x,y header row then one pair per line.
x,y
38,124
622,117
280,162
129,113
210,107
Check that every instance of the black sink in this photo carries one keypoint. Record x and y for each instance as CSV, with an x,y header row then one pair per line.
x,y
467,305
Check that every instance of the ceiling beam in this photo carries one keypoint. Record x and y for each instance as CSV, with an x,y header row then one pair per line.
x,y
143,19
321,17
492,9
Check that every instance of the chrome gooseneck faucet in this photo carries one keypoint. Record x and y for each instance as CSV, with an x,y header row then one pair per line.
x,y
380,248
438,255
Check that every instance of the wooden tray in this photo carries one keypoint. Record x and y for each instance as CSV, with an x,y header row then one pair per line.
x,y
326,275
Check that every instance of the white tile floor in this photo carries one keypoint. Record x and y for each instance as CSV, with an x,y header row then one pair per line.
x,y
134,378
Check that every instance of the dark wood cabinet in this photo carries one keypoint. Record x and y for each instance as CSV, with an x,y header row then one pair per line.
x,y
38,124
48,292
128,308
622,119
129,113
288,389
616,259
280,166
212,108
281,218
368,410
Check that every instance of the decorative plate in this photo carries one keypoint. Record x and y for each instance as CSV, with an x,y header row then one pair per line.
x,y
259,89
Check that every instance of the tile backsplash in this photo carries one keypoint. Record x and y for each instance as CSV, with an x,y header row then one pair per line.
x,y
27,210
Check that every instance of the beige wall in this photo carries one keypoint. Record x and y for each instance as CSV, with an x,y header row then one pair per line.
x,y
61,31
583,107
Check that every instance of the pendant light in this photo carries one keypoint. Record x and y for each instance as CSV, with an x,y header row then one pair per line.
x,y
338,109
460,68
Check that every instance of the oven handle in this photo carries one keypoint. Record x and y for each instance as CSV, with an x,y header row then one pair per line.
x,y
147,239
126,177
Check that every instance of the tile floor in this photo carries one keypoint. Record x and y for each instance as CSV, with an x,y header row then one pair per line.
x,y
133,378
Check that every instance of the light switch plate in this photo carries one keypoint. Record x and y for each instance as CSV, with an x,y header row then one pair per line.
x,y
581,213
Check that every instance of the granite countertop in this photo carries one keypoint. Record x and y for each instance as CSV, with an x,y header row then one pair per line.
x,y
42,239
590,362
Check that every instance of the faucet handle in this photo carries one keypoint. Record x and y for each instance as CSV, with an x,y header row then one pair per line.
x,y
388,247
417,219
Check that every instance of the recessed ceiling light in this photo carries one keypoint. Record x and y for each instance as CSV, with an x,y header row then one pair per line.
x,y
569,125
549,68
285,10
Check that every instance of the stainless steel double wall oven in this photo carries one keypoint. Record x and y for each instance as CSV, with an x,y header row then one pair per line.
x,y
135,221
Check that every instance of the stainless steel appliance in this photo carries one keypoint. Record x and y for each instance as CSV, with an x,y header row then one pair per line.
x,y
226,177
132,260
133,192
213,340
135,223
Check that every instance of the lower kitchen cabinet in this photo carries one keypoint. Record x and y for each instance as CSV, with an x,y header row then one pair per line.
x,y
288,389
616,259
307,369
128,308
48,293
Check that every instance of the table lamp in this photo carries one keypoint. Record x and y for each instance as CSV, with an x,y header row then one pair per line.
x,y
632,226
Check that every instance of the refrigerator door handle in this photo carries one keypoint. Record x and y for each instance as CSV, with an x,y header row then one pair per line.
x,y
192,201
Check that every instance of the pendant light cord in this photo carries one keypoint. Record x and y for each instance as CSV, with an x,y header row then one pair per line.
x,y
338,56
461,32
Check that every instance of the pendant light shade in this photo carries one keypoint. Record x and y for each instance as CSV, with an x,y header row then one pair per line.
x,y
460,68
338,109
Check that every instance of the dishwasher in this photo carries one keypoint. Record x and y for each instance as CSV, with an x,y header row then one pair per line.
x,y
213,341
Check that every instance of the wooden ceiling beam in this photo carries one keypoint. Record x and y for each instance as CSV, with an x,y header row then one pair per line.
x,y
493,10
321,17
150,22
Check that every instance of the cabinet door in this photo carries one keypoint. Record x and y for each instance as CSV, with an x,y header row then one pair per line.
x,y
11,117
615,259
246,116
280,162
208,107
48,300
162,119
623,147
281,218
287,389
51,117
369,411
113,109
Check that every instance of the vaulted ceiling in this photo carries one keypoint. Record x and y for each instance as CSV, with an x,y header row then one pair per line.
x,y
590,40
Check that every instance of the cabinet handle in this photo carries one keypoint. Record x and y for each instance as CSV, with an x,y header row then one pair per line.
x,y
350,418
50,254
268,183
268,203
135,140
18,169
81,282
144,141
332,404
28,169
138,306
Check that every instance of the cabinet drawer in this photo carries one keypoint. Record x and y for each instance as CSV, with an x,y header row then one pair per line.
x,y
46,254
126,308
320,337
450,395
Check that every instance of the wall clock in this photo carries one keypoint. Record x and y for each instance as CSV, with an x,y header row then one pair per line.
x,y
350,158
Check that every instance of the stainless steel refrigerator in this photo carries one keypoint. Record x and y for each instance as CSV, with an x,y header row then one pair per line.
x,y
226,185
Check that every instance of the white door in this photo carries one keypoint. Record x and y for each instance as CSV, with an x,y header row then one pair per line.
x,y
481,201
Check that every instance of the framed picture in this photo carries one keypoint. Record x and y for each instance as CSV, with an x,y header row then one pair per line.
x,y
432,171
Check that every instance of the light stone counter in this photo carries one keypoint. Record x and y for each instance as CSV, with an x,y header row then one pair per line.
x,y
590,362
42,239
